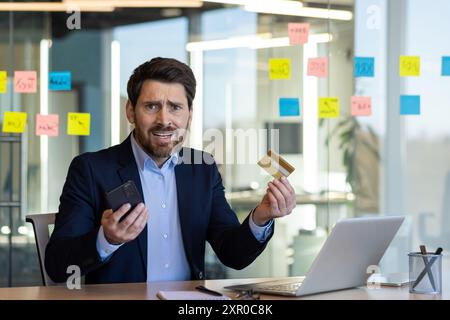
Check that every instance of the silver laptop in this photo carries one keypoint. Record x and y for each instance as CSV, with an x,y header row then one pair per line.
x,y
353,245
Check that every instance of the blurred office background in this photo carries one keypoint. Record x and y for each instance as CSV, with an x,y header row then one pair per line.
x,y
384,164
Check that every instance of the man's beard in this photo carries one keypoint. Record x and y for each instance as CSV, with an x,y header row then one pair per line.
x,y
161,150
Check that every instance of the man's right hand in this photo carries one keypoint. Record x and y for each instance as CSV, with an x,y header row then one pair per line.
x,y
129,228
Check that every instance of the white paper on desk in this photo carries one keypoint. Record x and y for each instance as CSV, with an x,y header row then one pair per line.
x,y
188,295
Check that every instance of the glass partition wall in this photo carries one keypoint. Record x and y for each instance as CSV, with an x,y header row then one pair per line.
x,y
384,162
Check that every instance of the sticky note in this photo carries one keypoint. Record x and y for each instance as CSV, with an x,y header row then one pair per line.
x,y
289,107
318,67
409,105
280,69
298,33
364,67
47,125
25,81
361,106
328,108
275,165
445,66
14,122
409,66
59,81
78,124
3,81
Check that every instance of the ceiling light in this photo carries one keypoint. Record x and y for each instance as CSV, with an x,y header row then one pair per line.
x,y
51,7
285,7
141,3
259,41
296,9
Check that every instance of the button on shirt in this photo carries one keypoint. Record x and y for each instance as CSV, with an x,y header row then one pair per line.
x,y
166,258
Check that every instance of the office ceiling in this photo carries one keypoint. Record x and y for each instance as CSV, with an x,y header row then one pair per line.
x,y
125,16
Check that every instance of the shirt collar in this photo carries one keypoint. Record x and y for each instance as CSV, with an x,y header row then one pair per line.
x,y
143,159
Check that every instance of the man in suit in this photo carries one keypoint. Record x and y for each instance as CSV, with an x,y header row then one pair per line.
x,y
184,203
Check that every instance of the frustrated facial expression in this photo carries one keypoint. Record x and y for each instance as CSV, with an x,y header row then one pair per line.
x,y
160,114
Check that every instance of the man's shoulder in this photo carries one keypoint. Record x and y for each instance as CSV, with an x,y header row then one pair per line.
x,y
103,156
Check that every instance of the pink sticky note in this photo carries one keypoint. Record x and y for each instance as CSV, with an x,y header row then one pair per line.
x,y
25,81
318,67
47,125
298,33
361,106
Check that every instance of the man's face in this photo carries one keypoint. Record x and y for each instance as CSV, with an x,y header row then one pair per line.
x,y
160,112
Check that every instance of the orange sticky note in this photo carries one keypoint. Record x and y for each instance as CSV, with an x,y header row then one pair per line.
x,y
47,125
318,67
25,81
409,66
328,107
279,69
361,106
78,124
298,33
14,122
2,81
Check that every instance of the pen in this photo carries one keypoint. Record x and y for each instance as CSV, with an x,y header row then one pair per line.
x,y
208,291
427,268
424,252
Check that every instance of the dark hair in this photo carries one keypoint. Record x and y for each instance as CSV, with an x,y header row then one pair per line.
x,y
164,70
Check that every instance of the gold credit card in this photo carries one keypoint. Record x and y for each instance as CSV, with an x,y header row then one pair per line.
x,y
275,165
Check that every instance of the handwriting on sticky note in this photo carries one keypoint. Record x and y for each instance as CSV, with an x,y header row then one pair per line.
x,y
14,122
409,66
361,106
409,105
25,81
78,124
280,69
446,66
289,107
364,66
298,33
328,107
58,81
318,67
47,125
3,77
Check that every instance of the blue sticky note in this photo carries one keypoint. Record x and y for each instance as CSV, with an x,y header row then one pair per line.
x,y
409,105
289,107
446,66
59,81
364,67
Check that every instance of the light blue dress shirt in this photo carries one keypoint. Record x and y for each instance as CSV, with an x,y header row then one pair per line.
x,y
166,258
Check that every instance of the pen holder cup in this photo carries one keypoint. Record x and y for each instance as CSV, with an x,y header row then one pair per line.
x,y
425,273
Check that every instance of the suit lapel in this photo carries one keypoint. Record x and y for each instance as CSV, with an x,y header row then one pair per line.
x,y
184,175
129,171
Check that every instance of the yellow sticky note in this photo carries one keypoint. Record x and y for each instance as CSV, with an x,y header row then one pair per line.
x,y
78,124
328,107
409,66
2,81
280,69
14,122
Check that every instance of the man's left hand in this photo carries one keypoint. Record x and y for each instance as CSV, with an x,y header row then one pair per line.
x,y
279,201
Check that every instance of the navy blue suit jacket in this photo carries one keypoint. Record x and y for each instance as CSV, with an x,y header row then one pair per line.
x,y
203,209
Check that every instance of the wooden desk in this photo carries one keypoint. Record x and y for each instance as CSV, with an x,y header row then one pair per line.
x,y
144,291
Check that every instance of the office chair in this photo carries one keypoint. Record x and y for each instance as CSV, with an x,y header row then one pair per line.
x,y
40,223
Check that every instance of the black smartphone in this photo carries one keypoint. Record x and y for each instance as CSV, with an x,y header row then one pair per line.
x,y
125,193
